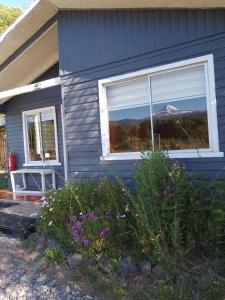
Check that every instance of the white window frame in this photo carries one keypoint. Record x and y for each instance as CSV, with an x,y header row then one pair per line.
x,y
208,63
28,163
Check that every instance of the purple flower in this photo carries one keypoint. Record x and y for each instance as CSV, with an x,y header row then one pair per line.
x,y
108,214
78,225
81,218
183,167
96,209
89,214
75,234
73,218
96,219
84,241
104,232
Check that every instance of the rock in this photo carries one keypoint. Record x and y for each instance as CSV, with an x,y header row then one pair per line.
x,y
104,265
217,264
23,278
67,289
160,273
204,282
145,267
41,243
34,236
126,267
87,297
74,260
52,244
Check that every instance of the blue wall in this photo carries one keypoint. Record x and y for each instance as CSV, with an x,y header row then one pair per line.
x,y
14,122
95,45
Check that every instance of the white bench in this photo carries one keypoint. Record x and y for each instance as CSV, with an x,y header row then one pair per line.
x,y
23,172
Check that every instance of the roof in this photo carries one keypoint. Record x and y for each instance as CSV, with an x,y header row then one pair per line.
x,y
18,66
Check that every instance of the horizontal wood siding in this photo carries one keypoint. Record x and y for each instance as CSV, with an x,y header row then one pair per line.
x,y
97,45
14,123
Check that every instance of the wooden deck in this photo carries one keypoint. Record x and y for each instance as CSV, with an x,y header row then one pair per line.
x,y
8,195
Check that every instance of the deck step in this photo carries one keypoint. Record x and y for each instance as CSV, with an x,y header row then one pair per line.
x,y
18,217
17,226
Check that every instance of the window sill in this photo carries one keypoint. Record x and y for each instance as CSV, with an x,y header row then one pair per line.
x,y
188,154
42,164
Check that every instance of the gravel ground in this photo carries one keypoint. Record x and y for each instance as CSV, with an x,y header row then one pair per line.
x,y
24,275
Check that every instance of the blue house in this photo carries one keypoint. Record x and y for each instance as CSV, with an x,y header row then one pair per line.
x,y
86,86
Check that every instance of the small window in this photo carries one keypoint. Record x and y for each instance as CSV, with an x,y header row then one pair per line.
x,y
40,136
171,107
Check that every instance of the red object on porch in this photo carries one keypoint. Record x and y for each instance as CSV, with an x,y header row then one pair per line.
x,y
12,162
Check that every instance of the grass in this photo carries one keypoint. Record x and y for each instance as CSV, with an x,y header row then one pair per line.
x,y
3,181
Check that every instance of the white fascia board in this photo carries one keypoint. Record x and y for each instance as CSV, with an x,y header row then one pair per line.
x,y
130,4
29,88
25,27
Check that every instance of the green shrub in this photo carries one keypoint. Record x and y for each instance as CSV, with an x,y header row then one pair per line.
x,y
177,212
54,256
170,212
75,201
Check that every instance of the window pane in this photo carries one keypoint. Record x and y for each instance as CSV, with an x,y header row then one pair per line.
x,y
179,84
180,109
130,129
128,94
34,138
48,135
181,124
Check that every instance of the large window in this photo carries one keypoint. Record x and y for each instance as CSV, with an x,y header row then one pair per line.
x,y
171,107
40,136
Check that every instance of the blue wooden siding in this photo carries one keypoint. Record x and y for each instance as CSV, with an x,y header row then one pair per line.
x,y
92,38
96,45
14,122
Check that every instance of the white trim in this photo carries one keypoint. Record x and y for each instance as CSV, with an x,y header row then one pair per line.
x,y
188,63
45,164
25,138
181,154
206,61
31,88
65,158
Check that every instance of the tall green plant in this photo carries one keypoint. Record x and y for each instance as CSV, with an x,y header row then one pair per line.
x,y
176,212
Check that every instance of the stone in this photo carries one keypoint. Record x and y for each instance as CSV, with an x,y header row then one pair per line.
x,y
23,278
52,244
160,273
217,265
204,282
41,243
145,267
126,267
87,297
34,236
74,260
67,289
104,265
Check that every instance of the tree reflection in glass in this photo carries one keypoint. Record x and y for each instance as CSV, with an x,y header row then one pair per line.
x,y
130,129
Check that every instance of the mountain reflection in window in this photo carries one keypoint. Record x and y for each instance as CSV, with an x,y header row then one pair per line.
x,y
181,124
130,129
